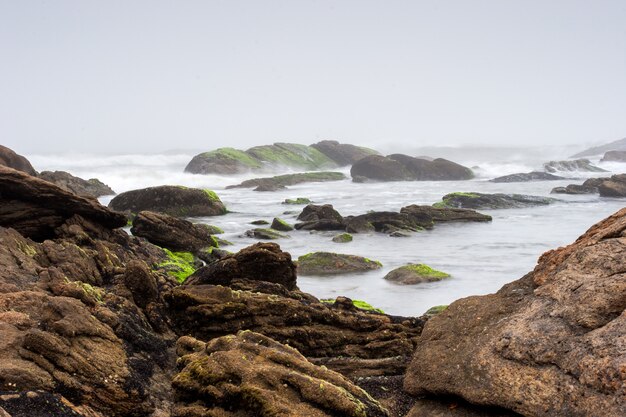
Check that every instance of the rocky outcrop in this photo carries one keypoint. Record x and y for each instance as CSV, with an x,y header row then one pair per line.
x,y
398,167
443,214
613,187
618,145
415,274
173,233
343,154
13,160
176,201
583,165
587,187
320,217
492,201
89,188
386,222
328,263
271,380
614,156
225,161
549,344
281,181
35,207
528,177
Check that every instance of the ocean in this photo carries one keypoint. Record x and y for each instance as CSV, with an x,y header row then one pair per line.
x,y
480,257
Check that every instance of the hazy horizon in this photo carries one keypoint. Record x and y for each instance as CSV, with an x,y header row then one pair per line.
x,y
154,76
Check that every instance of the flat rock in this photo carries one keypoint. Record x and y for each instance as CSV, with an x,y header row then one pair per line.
x,y
492,201
89,188
528,177
399,167
13,160
328,263
281,181
550,344
444,214
176,201
415,274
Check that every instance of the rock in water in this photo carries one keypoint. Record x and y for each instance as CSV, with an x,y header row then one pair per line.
x,y
613,187
249,374
174,200
491,201
343,154
444,214
89,188
320,217
583,165
527,177
415,274
327,263
13,160
614,156
399,167
550,344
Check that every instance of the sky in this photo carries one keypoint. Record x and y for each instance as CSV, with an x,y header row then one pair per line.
x,y
149,76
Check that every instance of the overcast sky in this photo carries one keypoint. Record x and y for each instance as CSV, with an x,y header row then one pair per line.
x,y
121,76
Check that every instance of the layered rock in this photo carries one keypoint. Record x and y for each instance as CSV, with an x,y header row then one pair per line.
x,y
399,167
491,201
549,344
89,188
13,160
583,165
613,187
528,177
328,263
176,201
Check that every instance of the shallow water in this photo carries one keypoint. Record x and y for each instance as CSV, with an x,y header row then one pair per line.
x,y
481,257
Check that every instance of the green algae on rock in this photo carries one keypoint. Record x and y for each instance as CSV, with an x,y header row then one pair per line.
x,y
491,201
342,238
178,264
299,200
265,233
415,274
328,263
281,225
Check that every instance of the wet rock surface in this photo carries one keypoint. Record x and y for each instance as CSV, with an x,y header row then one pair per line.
x,y
492,201
328,263
444,214
281,181
399,167
527,177
92,187
551,343
342,153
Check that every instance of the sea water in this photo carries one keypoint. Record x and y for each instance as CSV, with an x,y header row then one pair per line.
x,y
480,257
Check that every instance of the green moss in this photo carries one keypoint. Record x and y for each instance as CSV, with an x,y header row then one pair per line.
x,y
214,230
343,238
363,305
299,200
91,291
234,154
281,225
212,195
291,154
425,271
435,310
446,199
178,264
376,262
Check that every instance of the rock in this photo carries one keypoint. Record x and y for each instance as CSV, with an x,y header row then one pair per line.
x,y
551,343
170,232
239,375
327,263
269,187
342,238
223,161
415,274
259,222
261,261
35,207
590,186
176,201
299,200
583,165
433,311
268,234
455,407
618,145
527,177
491,201
13,160
385,222
613,187
281,225
399,167
443,215
87,188
320,217
614,156
342,154
281,181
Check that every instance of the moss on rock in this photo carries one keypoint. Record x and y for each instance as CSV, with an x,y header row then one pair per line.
x,y
343,238
178,264
327,263
299,200
415,274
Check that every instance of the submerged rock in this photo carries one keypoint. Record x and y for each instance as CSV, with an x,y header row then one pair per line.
x,y
90,188
559,330
296,201
385,222
492,201
13,160
328,263
415,274
583,165
177,201
342,238
527,177
398,167
281,181
444,214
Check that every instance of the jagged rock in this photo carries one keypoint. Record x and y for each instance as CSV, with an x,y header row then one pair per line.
x,y
176,201
614,156
281,181
320,217
13,160
527,177
492,201
549,344
328,263
250,374
170,232
88,188
343,154
443,215
583,165
261,261
415,274
613,187
35,207
399,167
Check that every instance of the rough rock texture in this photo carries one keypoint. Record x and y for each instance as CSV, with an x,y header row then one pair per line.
x,y
415,274
176,201
261,261
444,215
550,344
613,187
170,232
320,217
343,154
398,167
281,181
527,177
265,234
271,380
281,225
583,165
386,222
614,156
35,207
13,160
328,263
455,407
491,201
88,188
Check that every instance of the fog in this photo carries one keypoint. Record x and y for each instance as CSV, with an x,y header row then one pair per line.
x,y
151,76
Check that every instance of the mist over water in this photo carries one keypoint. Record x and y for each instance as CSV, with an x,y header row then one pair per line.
x,y
480,257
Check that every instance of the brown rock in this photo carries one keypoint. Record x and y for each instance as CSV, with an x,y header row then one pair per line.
x,y
614,156
613,187
342,153
444,215
13,160
86,188
549,344
320,217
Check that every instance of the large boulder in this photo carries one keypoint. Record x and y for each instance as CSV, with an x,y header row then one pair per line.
x,y
491,201
249,374
443,214
343,154
174,200
35,207
415,274
173,233
583,165
614,156
13,160
527,177
223,161
89,188
613,187
320,217
550,344
399,167
328,263
386,222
